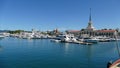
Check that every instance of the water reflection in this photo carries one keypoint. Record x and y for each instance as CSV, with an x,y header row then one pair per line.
x,y
30,40
89,55
1,38
64,47
38,52
1,48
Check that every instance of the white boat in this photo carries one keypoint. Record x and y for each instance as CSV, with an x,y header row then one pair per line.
x,y
73,39
91,40
55,40
64,38
86,43
1,36
69,38
81,39
105,39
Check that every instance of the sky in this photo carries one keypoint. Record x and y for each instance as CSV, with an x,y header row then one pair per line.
x,y
62,14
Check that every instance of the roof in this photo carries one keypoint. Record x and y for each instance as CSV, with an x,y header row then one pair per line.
x,y
106,30
73,31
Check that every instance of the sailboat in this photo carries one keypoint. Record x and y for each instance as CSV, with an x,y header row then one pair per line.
x,y
115,64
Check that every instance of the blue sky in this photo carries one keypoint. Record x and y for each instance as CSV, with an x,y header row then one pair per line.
x,y
61,14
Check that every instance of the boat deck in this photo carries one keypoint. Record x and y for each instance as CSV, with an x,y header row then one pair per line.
x,y
116,64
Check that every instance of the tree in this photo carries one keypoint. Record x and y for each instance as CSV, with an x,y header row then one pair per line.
x,y
82,29
16,31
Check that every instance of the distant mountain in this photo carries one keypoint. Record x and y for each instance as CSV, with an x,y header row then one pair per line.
x,y
4,30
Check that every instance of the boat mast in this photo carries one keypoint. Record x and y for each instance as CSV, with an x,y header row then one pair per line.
x,y
117,44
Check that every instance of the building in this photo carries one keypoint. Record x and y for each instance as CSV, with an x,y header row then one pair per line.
x,y
91,31
90,26
54,32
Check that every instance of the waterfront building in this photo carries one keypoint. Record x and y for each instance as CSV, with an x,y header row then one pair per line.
x,y
91,31
54,32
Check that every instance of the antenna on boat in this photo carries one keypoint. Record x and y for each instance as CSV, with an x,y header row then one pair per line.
x,y
115,34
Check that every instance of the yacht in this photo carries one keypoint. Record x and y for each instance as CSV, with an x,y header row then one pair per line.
x,y
64,38
1,35
67,38
91,40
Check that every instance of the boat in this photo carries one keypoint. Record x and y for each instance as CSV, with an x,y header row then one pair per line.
x,y
105,39
1,35
86,43
116,64
91,40
66,38
77,42
55,40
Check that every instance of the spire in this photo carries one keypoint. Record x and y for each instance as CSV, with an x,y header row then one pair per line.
x,y
90,16
90,26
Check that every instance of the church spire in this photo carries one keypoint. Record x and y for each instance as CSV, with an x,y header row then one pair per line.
x,y
90,26
90,16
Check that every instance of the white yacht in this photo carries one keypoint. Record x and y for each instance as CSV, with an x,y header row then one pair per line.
x,y
66,38
1,35
105,39
91,40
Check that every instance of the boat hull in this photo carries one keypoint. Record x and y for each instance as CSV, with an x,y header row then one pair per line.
x,y
116,64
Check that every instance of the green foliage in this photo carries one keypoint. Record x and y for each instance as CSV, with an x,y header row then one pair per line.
x,y
16,31
82,29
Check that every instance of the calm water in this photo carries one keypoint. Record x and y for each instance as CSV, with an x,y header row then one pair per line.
x,y
23,53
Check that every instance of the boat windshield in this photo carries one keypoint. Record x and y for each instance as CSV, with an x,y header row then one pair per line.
x,y
118,65
64,36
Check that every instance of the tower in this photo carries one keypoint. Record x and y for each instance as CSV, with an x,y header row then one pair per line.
x,y
90,26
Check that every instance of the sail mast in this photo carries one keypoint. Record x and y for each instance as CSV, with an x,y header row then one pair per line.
x,y
117,44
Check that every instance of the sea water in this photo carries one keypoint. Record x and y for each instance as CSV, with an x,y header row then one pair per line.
x,y
42,53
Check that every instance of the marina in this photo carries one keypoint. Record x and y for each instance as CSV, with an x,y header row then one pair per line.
x,y
59,34
42,53
64,38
